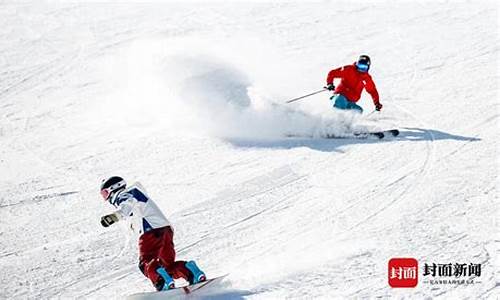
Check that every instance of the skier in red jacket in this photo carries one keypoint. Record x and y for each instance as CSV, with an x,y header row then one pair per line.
x,y
354,78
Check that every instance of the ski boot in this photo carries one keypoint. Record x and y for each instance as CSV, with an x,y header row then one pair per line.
x,y
166,282
198,275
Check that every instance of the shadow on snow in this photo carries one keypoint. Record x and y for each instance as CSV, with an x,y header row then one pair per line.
x,y
225,295
407,134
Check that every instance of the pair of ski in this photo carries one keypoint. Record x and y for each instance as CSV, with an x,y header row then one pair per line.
x,y
356,135
363,135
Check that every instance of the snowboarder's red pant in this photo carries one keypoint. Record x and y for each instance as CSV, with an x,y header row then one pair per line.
x,y
156,249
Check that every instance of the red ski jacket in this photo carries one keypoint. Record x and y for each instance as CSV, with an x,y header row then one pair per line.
x,y
352,83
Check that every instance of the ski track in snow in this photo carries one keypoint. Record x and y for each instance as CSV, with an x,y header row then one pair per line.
x,y
166,94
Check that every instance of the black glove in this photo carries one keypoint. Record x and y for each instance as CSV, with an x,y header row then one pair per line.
x,y
108,220
378,107
330,87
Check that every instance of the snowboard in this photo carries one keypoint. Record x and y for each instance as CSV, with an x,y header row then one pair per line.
x,y
177,292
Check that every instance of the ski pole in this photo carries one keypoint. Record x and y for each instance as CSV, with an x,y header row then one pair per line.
x,y
302,97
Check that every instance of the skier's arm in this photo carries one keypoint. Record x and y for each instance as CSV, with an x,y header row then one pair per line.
x,y
335,73
372,90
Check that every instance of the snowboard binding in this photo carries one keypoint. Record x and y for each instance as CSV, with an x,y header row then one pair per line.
x,y
198,275
166,282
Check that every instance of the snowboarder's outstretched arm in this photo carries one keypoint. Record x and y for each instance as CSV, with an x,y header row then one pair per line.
x,y
372,90
125,204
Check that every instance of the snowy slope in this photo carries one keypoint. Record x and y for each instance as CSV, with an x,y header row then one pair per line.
x,y
187,98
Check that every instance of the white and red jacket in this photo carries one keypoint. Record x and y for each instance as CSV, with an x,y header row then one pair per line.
x,y
134,204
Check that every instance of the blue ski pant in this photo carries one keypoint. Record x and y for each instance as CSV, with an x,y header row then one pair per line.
x,y
341,102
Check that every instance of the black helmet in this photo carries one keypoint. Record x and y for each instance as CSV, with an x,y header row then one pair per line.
x,y
112,185
363,63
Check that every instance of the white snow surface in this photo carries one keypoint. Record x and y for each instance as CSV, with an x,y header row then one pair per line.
x,y
188,98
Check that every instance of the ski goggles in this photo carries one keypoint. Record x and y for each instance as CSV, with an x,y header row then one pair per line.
x,y
362,67
105,193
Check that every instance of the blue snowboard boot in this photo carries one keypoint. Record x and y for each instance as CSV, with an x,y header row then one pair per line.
x,y
198,275
166,282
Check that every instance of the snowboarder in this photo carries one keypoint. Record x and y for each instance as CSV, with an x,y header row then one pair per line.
x,y
354,78
156,248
